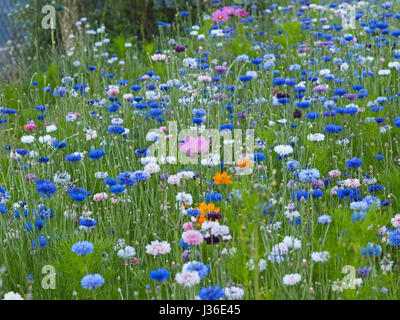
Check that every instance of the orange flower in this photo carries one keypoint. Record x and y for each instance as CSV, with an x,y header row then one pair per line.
x,y
222,178
244,163
204,209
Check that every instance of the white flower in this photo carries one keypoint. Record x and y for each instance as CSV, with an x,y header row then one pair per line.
x,y
174,179
316,137
152,136
292,243
384,72
62,177
12,296
101,175
27,139
45,139
262,264
152,168
51,128
283,150
188,278
127,253
322,256
185,198
234,293
396,221
147,160
291,279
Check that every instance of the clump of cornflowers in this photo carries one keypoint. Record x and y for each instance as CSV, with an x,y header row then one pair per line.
x,y
371,250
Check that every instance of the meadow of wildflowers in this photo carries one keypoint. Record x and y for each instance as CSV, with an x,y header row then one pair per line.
x,y
111,187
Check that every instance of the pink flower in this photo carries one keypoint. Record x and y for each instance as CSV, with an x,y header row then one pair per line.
x,y
100,197
334,174
193,145
156,248
163,129
188,226
241,12
192,237
30,127
230,11
30,177
219,15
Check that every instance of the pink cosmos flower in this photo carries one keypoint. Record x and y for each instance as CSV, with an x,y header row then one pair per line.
x,y
241,12
219,15
192,237
230,11
193,145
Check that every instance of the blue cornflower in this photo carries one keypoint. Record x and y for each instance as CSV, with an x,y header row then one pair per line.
x,y
140,176
82,248
59,144
213,197
371,201
309,175
332,128
4,195
299,194
324,219
77,194
40,241
397,122
92,281
126,178
394,238
3,208
375,188
110,181
193,212
201,268
87,222
358,216
354,163
317,193
211,293
292,165
364,271
117,189
45,188
183,244
74,157
159,274
259,156
96,154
